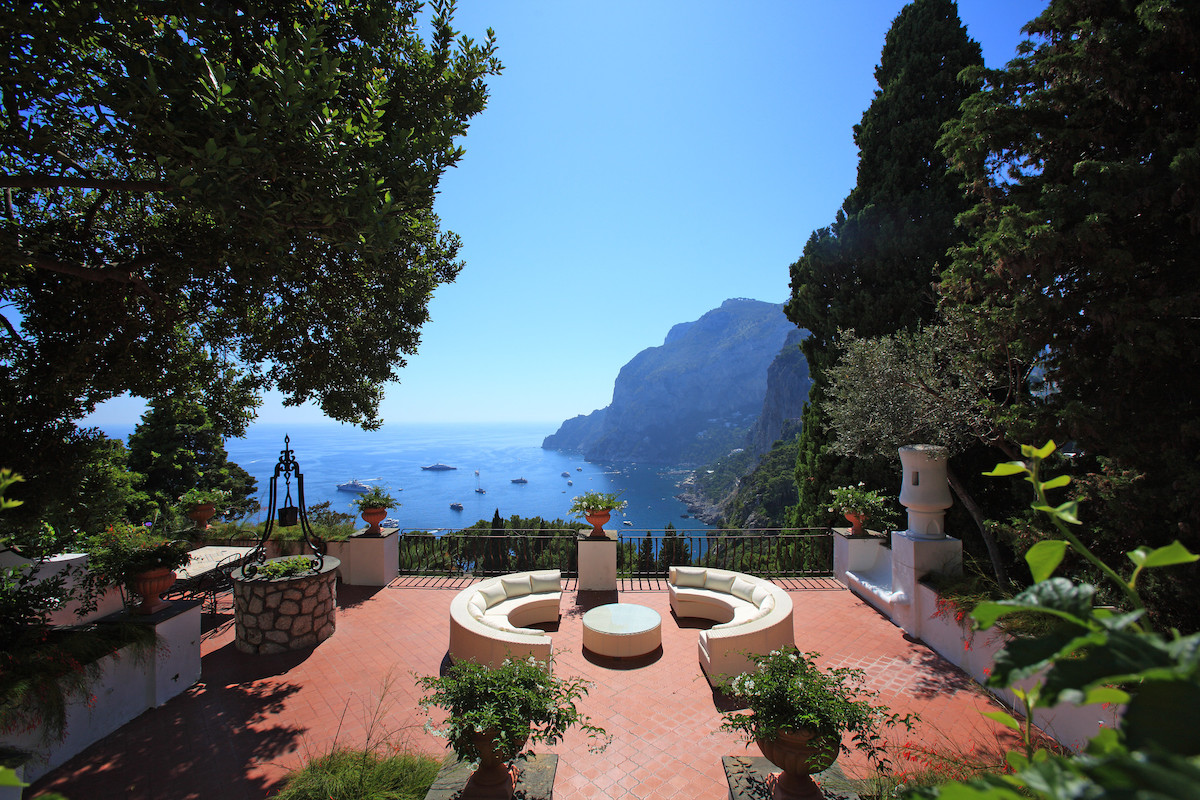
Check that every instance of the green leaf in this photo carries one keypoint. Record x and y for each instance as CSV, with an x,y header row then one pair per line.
x,y
8,777
1044,557
1040,453
1163,714
1056,595
1057,483
1105,694
1004,718
1167,556
1008,468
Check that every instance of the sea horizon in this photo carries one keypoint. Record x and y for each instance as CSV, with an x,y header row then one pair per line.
x,y
331,453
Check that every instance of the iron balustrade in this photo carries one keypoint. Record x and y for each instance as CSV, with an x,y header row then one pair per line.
x,y
766,552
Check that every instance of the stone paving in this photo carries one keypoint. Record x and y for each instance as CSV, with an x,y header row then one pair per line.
x,y
236,734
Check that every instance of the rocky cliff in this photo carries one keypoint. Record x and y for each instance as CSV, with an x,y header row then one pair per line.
x,y
787,391
691,399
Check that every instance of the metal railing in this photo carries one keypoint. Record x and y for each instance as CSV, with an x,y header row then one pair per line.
x,y
643,553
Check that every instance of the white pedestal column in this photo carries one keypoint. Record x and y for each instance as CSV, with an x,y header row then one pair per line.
x,y
925,491
598,563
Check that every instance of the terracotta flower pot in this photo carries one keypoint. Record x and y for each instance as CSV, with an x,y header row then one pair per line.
x,y
374,516
856,523
149,585
597,519
799,754
494,779
201,514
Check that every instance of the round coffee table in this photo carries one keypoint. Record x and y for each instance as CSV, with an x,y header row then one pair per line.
x,y
621,630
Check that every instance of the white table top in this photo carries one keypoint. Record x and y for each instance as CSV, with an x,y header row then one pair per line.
x,y
206,559
622,619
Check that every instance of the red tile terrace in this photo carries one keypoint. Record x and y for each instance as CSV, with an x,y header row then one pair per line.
x,y
250,719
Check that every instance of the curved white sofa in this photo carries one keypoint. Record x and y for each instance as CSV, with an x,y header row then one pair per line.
x,y
487,619
752,614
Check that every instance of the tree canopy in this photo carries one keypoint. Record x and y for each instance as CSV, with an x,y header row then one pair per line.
x,y
1082,266
232,195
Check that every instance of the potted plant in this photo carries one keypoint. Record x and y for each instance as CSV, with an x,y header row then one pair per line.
x,y
374,505
859,505
133,557
494,711
201,504
597,508
799,712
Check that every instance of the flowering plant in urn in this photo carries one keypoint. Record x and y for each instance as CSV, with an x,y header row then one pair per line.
x,y
860,504
597,508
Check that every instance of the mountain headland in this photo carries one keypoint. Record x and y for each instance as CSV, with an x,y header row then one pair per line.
x,y
725,381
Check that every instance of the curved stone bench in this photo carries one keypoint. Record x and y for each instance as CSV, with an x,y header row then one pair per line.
x,y
488,619
752,615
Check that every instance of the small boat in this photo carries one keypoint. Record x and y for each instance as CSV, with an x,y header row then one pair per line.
x,y
390,522
354,486
478,489
579,469
626,522
456,506
519,480
566,474
481,491
439,467
570,483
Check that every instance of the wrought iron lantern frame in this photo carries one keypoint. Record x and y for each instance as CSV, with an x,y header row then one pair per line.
x,y
287,466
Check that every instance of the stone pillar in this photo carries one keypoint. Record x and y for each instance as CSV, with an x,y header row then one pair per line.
x,y
597,563
913,558
293,613
925,490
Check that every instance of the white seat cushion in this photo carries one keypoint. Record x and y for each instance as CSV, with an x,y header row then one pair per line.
x,y
515,585
690,577
547,580
493,593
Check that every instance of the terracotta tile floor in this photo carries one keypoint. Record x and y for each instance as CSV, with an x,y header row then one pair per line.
x,y
237,733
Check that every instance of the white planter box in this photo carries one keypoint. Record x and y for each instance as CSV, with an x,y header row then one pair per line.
x,y
974,652
127,686
368,560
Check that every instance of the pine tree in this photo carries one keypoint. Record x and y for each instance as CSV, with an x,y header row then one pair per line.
x,y
874,268
177,446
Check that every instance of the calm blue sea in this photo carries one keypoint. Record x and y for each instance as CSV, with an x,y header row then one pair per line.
x,y
329,454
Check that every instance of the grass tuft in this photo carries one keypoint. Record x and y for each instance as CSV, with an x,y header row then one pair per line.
x,y
348,774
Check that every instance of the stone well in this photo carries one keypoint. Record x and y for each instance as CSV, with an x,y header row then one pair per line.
x,y
293,613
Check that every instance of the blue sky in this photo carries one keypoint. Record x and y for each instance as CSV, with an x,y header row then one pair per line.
x,y
638,164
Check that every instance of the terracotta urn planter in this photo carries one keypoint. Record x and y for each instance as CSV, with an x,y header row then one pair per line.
x,y
373,517
495,778
149,585
856,523
597,519
799,754
201,514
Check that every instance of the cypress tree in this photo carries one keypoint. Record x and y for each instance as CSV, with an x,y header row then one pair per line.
x,y
873,270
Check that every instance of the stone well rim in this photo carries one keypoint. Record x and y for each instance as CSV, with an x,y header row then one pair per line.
x,y
329,565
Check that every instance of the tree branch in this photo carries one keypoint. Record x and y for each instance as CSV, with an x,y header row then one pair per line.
x,y
123,273
61,182
8,326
